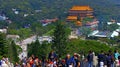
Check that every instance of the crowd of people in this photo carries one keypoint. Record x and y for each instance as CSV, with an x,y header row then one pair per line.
x,y
103,59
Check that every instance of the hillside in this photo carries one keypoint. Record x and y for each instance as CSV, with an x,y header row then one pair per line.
x,y
104,9
115,1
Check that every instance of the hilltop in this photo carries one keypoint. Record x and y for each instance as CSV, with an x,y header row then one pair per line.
x,y
42,9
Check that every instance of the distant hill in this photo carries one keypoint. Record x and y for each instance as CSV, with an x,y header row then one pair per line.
x,y
115,1
104,9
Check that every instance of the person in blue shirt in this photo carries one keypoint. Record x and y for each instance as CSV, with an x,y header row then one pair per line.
x,y
101,58
52,55
110,59
116,55
90,59
75,60
70,61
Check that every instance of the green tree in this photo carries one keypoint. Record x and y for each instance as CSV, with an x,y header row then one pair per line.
x,y
112,27
60,39
22,32
3,45
87,19
40,50
13,52
78,46
45,49
33,48
85,31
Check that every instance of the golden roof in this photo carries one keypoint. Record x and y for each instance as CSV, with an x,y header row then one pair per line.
x,y
72,17
81,8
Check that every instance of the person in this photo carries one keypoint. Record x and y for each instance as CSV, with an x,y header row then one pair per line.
x,y
52,56
49,63
62,63
55,63
69,61
95,62
4,64
116,55
36,62
43,59
105,60
82,60
77,60
33,57
110,59
28,64
90,59
0,63
101,58
31,61
17,65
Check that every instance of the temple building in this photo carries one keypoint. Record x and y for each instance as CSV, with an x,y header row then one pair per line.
x,y
79,12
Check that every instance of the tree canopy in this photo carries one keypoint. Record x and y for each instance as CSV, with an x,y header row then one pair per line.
x,y
3,45
60,37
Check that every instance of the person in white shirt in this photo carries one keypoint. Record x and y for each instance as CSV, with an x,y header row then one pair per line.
x,y
4,64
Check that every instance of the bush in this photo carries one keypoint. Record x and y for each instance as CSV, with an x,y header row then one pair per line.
x,y
83,46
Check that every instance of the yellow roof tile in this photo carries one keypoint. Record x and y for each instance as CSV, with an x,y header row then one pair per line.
x,y
72,17
81,8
